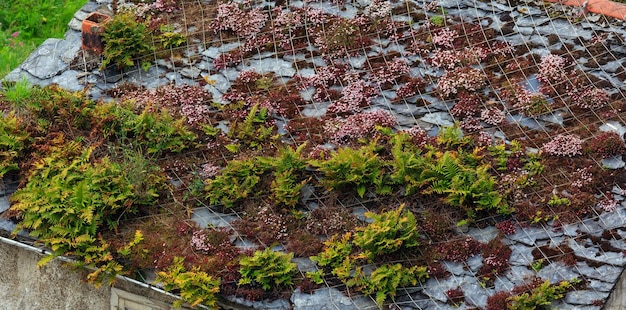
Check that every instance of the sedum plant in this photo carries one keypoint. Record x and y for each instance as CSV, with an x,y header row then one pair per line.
x,y
268,269
195,287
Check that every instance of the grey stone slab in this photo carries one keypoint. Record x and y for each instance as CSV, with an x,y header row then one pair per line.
x,y
454,268
68,80
584,297
483,235
278,66
531,21
45,62
214,52
520,255
278,304
530,235
315,109
321,299
599,285
605,273
205,217
438,118
517,274
557,272
564,29
4,203
612,220
475,293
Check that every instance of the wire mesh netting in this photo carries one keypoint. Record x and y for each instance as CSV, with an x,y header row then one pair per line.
x,y
511,170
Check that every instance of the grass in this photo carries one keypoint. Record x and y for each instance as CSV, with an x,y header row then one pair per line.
x,y
25,24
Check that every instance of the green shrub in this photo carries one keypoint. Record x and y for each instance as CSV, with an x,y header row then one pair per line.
x,y
152,132
13,139
253,130
195,287
125,39
237,181
354,168
68,199
542,296
267,268
386,279
288,166
389,232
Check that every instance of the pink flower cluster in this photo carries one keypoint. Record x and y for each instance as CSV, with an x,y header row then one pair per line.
x,y
609,204
378,9
449,58
247,76
471,124
243,23
492,116
445,38
390,71
419,136
467,104
411,88
564,145
466,78
582,177
353,96
551,69
361,125
209,170
484,139
195,113
507,227
198,242
168,6
589,98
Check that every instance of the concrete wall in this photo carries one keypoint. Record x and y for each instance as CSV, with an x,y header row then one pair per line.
x,y
23,286
617,299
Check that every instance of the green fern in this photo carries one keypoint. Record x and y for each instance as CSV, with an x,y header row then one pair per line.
x,y
267,268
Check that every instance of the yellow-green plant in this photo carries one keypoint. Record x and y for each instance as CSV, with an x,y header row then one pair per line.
x,y
268,269
388,232
253,130
195,287
237,181
157,132
542,296
13,140
170,38
125,39
408,164
336,250
469,187
68,199
101,261
386,279
354,168
152,132
288,166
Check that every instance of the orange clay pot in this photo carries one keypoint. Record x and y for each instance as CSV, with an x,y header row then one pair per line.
x,y
92,28
604,7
